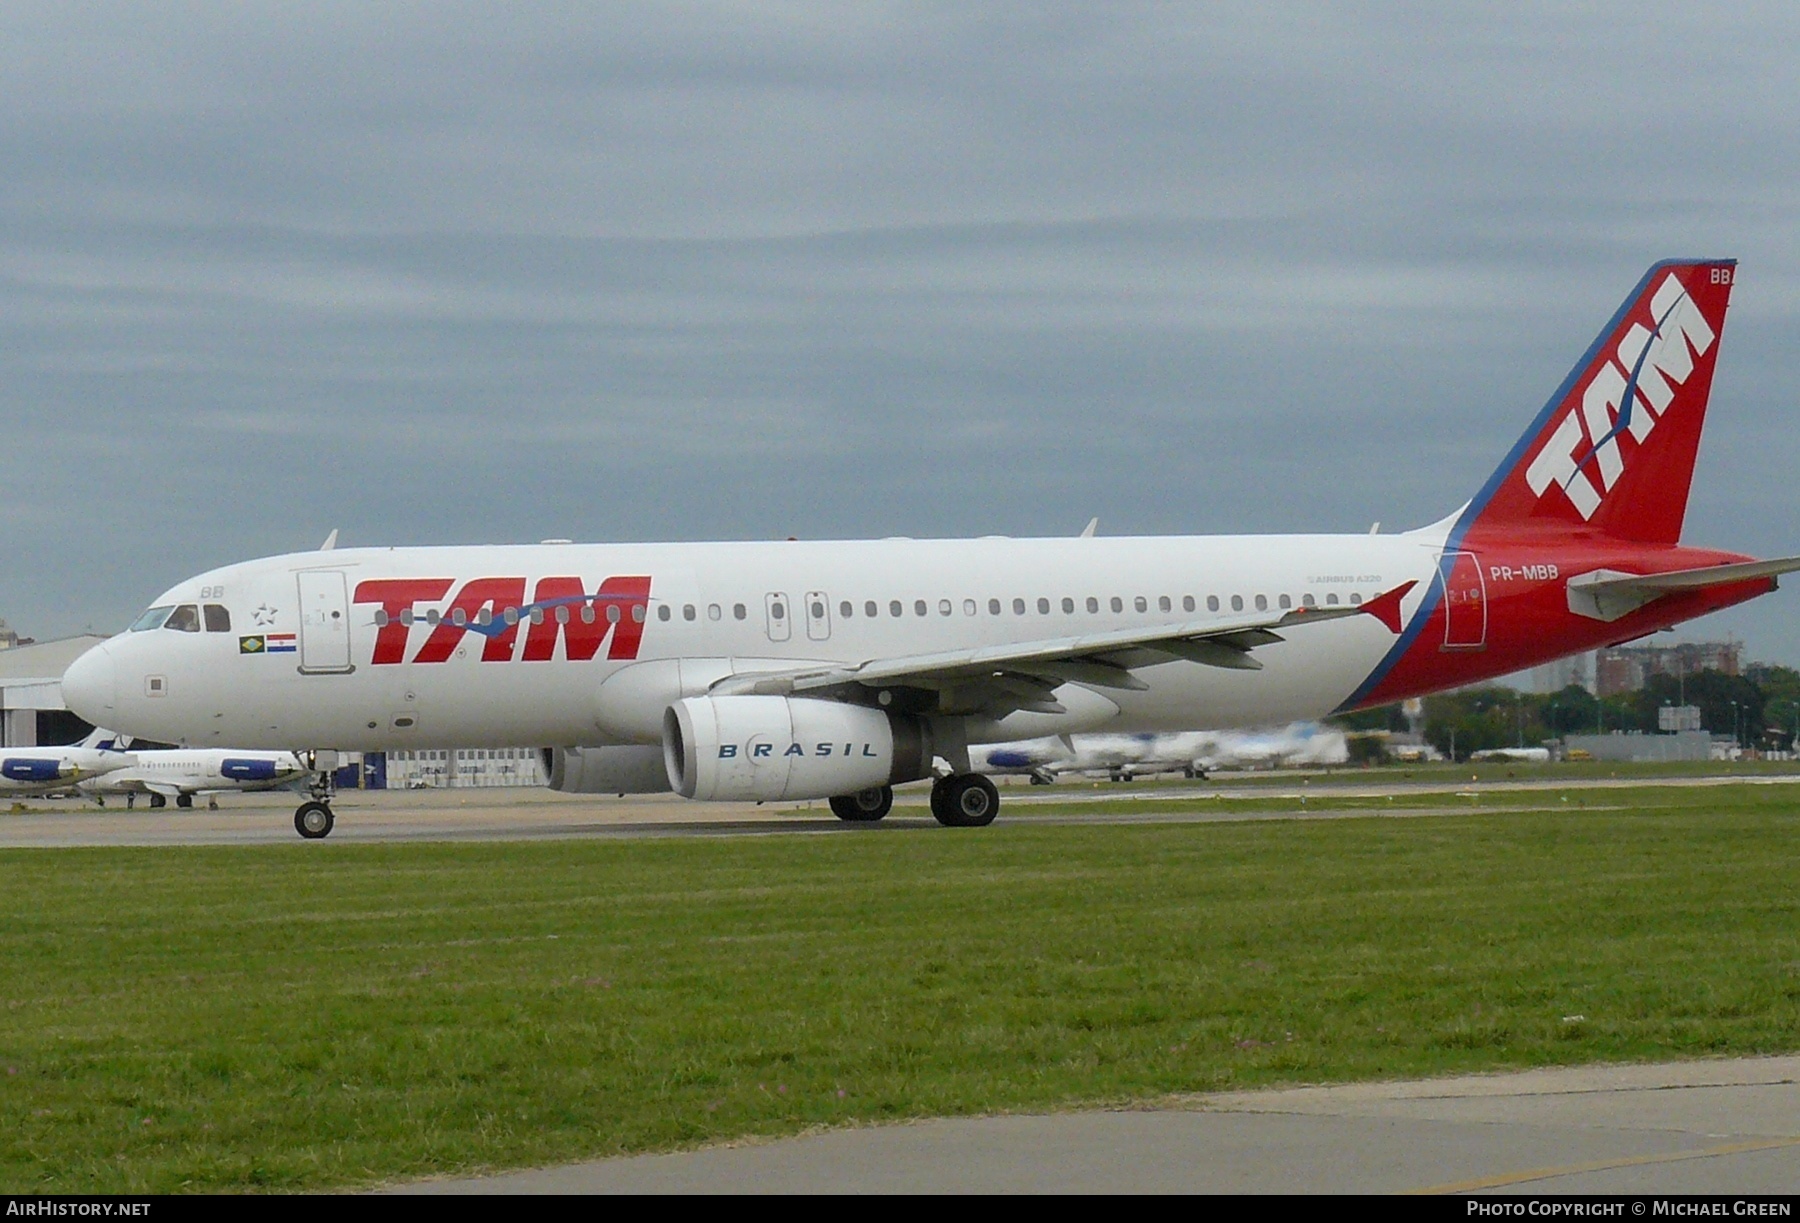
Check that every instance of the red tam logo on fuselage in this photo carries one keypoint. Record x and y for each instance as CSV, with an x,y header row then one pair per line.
x,y
494,608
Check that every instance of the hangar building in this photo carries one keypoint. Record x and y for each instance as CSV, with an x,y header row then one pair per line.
x,y
32,712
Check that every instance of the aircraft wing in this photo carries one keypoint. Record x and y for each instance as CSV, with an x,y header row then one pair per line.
x,y
163,788
1606,594
1023,675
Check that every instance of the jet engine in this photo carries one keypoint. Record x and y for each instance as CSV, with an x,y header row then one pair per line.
x,y
606,770
760,748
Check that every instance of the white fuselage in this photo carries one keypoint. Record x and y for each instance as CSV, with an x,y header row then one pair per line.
x,y
297,667
200,771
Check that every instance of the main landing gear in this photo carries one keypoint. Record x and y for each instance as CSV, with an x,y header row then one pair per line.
x,y
964,800
865,806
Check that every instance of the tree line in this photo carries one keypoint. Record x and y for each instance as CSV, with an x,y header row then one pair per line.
x,y
1760,709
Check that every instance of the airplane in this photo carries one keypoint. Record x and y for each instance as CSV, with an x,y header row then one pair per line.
x,y
183,774
52,770
1191,753
765,671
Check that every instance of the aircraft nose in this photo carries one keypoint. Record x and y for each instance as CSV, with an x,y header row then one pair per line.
x,y
91,686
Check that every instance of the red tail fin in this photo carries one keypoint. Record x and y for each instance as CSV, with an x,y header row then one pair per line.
x,y
1614,448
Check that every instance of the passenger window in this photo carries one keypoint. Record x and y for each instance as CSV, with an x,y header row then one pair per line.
x,y
381,617
818,609
1018,607
776,611
1118,604
663,612
537,615
218,620
1043,607
1093,604
1331,600
968,607
459,617
152,619
993,607
484,617
687,611
1068,606
1163,604
433,616
1237,602
713,611
1187,602
1212,602
587,612
1355,600
1307,601
871,609
919,608
894,608
846,609
1285,602
562,613
408,617
1141,603
1262,602
943,607
184,619
738,612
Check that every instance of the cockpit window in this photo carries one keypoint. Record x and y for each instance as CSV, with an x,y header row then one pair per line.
x,y
218,619
184,619
153,618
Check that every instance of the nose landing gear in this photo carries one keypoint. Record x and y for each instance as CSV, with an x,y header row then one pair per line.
x,y
313,819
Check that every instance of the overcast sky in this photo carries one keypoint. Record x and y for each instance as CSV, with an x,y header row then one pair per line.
x,y
434,274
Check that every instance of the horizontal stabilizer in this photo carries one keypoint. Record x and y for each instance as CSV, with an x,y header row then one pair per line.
x,y
1606,594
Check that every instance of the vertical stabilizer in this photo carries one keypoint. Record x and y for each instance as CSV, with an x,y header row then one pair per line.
x,y
1614,449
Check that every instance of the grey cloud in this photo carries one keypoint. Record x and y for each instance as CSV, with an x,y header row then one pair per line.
x,y
439,273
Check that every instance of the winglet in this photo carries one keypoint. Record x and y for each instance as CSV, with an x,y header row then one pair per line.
x,y
1386,608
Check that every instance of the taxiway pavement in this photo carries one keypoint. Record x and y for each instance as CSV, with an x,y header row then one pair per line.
x,y
1711,1127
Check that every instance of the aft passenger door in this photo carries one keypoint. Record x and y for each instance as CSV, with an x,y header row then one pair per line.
x,y
324,623
1465,601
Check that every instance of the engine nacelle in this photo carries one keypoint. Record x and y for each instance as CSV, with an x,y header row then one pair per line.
x,y
761,748
606,770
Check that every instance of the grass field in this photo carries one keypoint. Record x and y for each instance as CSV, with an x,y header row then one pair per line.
x,y
308,1016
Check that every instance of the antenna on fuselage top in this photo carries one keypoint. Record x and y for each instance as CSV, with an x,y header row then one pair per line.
x,y
1087,532
330,541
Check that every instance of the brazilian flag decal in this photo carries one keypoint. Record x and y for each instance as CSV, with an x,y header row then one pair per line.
x,y
250,645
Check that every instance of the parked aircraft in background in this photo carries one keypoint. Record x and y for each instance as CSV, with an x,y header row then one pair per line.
x,y
763,671
1193,753
184,774
1514,755
53,770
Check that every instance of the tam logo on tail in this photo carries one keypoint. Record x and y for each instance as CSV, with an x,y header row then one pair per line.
x,y
1586,443
1615,446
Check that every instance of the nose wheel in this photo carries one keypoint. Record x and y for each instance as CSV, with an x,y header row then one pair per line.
x,y
314,820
